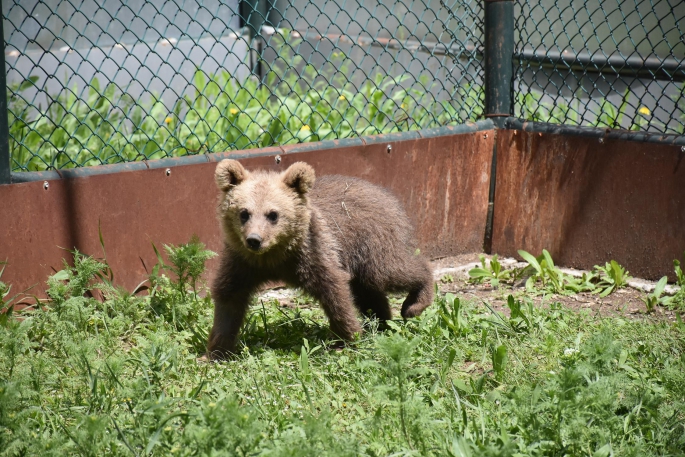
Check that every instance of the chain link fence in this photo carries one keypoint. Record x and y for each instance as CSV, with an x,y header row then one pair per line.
x,y
610,63
93,82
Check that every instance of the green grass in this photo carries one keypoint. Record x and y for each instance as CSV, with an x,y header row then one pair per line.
x,y
99,371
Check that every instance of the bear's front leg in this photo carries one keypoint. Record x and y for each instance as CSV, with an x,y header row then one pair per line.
x,y
229,314
329,284
231,291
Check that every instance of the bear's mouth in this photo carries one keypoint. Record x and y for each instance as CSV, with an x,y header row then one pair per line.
x,y
258,251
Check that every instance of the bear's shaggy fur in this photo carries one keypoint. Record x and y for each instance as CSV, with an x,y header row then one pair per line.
x,y
343,240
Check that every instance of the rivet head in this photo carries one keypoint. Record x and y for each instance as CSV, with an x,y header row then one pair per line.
x,y
485,136
277,159
168,172
682,148
388,148
601,140
46,185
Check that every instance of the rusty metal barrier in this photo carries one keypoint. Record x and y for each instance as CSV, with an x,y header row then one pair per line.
x,y
441,176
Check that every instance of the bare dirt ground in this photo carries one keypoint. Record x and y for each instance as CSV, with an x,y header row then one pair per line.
x,y
451,275
625,302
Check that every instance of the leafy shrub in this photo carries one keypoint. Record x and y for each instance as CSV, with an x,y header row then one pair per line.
x,y
296,103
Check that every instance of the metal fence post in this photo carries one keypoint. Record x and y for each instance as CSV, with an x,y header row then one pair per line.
x,y
254,14
499,72
498,59
5,165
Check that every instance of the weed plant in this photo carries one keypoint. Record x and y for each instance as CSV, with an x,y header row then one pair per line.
x,y
676,301
491,271
545,277
529,106
655,298
122,374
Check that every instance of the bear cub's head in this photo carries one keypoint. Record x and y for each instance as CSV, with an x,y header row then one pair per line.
x,y
263,212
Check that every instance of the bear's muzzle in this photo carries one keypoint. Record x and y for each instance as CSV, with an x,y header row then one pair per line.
x,y
254,241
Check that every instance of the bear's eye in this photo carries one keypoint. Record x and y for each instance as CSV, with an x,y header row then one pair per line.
x,y
244,216
272,216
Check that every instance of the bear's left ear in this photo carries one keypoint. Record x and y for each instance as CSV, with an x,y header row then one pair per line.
x,y
300,176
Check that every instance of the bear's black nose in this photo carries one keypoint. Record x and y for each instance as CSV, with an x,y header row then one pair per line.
x,y
254,241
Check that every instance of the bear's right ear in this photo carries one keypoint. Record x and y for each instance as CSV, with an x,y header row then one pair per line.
x,y
299,176
229,173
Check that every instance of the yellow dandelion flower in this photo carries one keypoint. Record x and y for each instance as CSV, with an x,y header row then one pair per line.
x,y
342,97
305,128
404,106
168,120
644,111
234,111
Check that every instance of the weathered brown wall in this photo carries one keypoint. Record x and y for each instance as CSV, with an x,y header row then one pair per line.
x,y
442,181
589,202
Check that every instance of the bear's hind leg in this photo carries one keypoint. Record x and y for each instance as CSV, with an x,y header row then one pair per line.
x,y
330,287
371,301
420,286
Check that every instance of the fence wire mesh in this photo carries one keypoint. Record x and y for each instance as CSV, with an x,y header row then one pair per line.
x,y
610,63
93,82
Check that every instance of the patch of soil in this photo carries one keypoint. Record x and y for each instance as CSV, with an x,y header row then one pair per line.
x,y
626,302
455,261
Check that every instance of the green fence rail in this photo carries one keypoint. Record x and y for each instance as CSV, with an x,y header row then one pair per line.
x,y
103,82
91,82
611,63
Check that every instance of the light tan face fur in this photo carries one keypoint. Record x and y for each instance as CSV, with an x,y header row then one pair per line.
x,y
263,212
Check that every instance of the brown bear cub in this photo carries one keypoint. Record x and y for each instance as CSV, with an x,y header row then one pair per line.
x,y
344,241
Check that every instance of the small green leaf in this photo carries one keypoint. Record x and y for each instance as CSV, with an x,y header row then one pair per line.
x,y
61,275
532,261
660,286
604,451
606,292
304,362
27,83
499,360
479,273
